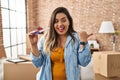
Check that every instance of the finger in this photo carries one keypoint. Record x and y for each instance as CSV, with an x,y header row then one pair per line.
x,y
31,35
90,34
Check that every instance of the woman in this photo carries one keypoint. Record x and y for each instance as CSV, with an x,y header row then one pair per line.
x,y
61,50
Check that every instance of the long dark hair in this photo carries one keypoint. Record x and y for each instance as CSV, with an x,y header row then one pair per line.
x,y
51,39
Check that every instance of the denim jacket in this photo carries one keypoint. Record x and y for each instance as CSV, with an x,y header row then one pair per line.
x,y
73,58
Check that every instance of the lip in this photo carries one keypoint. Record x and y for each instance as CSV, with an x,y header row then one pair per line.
x,y
61,29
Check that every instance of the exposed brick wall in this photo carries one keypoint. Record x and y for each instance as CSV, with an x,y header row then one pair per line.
x,y
87,15
2,51
33,17
33,14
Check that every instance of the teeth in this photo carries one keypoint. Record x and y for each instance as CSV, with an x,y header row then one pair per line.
x,y
60,28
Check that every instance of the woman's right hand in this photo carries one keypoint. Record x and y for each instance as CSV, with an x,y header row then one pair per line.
x,y
33,38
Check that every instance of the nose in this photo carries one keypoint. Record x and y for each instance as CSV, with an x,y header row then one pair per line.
x,y
59,23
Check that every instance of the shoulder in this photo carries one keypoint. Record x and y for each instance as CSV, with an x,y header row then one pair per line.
x,y
76,38
75,34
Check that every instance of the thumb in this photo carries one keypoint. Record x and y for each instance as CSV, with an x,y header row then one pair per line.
x,y
90,34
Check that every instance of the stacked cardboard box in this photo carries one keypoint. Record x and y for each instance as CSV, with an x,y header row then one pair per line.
x,y
101,77
107,64
19,71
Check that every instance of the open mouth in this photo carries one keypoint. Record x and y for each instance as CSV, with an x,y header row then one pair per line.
x,y
61,28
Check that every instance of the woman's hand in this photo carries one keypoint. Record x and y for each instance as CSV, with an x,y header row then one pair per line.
x,y
33,38
83,36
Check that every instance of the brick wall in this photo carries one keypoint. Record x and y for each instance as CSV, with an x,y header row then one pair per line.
x,y
87,15
2,51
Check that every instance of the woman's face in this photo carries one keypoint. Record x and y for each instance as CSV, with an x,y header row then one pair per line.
x,y
61,24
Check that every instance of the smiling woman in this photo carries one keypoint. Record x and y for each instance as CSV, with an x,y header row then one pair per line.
x,y
59,50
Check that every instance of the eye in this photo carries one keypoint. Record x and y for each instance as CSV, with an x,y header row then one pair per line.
x,y
63,20
56,21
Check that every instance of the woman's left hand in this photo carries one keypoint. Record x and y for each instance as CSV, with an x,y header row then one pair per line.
x,y
84,36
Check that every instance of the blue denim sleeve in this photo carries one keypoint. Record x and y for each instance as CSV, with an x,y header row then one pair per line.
x,y
84,56
38,61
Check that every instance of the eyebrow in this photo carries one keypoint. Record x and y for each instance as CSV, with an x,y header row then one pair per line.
x,y
62,18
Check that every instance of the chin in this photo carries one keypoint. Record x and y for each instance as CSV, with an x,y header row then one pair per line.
x,y
61,34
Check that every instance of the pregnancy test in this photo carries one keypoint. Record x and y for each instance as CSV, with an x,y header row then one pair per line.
x,y
40,30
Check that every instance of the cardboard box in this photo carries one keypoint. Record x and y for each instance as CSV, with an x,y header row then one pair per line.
x,y
101,77
107,63
19,71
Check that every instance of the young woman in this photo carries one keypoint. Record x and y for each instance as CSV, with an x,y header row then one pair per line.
x,y
60,52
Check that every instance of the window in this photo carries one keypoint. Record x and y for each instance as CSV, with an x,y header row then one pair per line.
x,y
14,27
